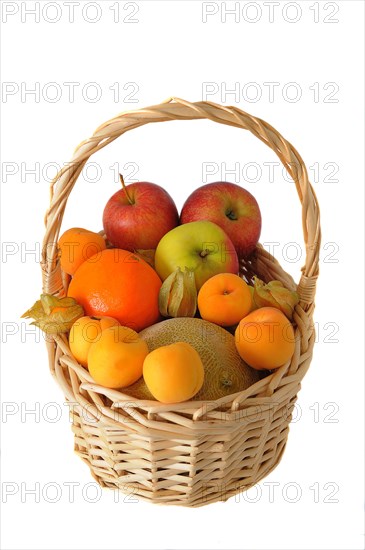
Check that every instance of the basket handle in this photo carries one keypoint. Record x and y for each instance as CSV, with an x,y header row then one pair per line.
x,y
179,109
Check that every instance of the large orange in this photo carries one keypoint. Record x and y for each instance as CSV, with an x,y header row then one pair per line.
x,y
118,284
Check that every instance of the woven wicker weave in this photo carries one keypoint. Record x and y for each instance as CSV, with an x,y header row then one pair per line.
x,y
190,453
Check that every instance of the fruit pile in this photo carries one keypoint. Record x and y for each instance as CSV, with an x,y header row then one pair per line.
x,y
156,306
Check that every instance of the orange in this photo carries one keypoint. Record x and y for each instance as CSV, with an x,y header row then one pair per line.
x,y
265,338
116,359
173,373
224,299
86,331
117,283
78,245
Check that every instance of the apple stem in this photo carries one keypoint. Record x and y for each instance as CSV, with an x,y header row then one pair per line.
x,y
204,253
125,189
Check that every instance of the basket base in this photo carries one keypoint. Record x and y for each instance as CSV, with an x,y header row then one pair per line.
x,y
206,492
209,495
204,463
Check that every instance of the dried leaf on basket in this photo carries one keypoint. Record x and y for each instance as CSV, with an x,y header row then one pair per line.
x,y
54,315
274,294
178,295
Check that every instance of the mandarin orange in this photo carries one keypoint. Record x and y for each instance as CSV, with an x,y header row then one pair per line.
x,y
77,245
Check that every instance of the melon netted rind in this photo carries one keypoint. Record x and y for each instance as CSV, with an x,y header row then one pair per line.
x,y
225,371
139,390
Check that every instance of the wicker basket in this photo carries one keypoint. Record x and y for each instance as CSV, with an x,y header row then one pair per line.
x,y
190,453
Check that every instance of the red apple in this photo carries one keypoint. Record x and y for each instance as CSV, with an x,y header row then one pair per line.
x,y
231,207
139,215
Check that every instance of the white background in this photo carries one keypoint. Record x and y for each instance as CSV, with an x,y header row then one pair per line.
x,y
315,70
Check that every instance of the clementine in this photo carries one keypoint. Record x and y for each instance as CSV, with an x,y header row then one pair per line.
x,y
77,245
117,283
224,299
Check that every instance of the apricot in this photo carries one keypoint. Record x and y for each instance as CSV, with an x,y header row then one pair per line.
x,y
173,373
116,359
86,331
77,245
224,299
265,338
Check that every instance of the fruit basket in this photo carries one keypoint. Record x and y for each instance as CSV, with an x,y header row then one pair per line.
x,y
195,452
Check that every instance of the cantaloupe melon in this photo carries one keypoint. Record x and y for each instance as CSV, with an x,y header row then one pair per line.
x,y
225,371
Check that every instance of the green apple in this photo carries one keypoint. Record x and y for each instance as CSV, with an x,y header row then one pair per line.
x,y
202,246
